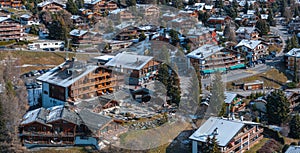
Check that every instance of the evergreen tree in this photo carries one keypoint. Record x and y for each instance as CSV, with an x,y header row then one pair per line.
x,y
163,74
277,107
295,127
174,37
71,7
270,19
215,146
217,91
79,3
130,3
262,26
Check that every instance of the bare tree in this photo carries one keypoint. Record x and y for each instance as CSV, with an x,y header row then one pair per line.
x,y
13,105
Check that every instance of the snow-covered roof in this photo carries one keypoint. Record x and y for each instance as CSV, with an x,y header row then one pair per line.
x,y
67,73
47,2
92,2
208,7
74,17
229,97
293,149
205,51
25,16
251,12
3,19
78,33
129,61
264,16
295,52
224,129
245,29
252,44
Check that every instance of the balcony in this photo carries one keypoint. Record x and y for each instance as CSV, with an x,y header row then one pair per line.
x,y
47,134
73,87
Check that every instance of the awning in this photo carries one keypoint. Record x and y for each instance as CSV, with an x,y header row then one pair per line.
x,y
221,69
214,70
208,71
237,66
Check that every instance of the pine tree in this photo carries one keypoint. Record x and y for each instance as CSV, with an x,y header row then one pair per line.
x,y
295,127
262,26
277,107
71,7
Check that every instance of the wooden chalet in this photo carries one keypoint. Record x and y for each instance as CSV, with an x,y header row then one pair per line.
x,y
61,126
74,80
51,6
140,68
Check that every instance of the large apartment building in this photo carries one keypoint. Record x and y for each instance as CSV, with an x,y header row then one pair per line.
x,y
10,29
233,136
74,80
210,58
292,60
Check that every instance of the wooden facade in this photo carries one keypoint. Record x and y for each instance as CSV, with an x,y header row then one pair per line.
x,y
51,7
94,84
11,3
11,30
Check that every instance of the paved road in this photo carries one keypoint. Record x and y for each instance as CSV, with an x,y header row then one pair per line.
x,y
240,74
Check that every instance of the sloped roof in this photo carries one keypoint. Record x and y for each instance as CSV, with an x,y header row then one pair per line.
x,y
229,97
94,121
252,44
37,115
129,61
77,32
205,51
225,130
245,29
67,73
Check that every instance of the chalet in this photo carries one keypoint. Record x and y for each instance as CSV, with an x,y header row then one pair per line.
x,y
255,85
293,149
211,58
100,5
169,16
231,135
209,8
183,24
85,37
27,19
11,3
139,68
202,35
293,98
152,11
113,45
77,20
233,102
218,22
10,29
121,15
61,126
127,33
252,49
189,13
74,80
249,33
292,60
97,104
51,6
